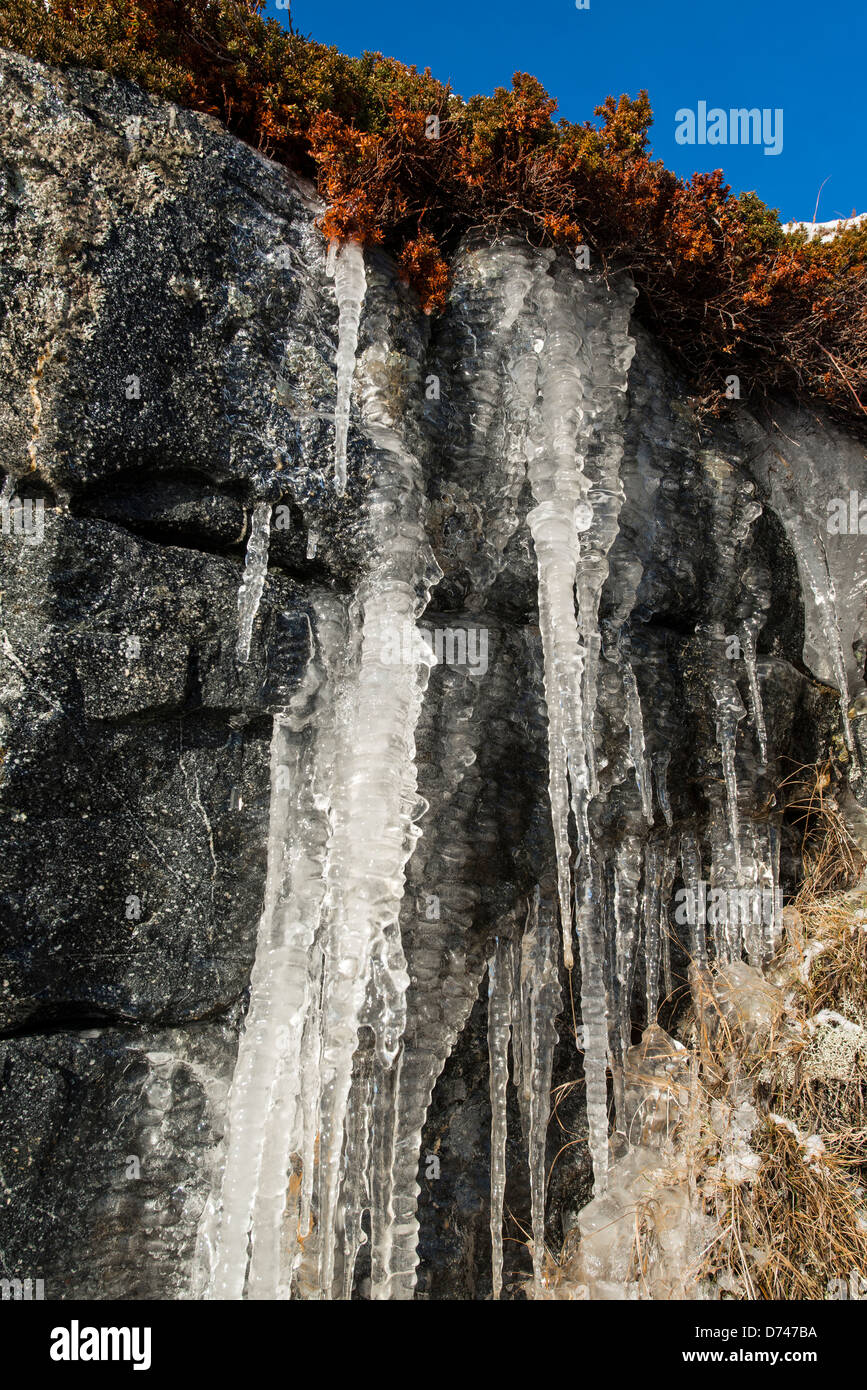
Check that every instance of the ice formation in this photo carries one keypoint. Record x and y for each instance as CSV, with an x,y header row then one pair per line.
x,y
567,365
537,1007
757,714
346,264
636,744
729,711
811,473
253,579
573,524
501,997
329,958
358,995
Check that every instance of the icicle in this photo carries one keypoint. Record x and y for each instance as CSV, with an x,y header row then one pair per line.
x,y
627,874
495,397
594,1023
500,1006
541,990
559,489
807,466
636,740
558,784
308,1148
520,1032
566,507
582,371
265,1085
387,1085
366,859
651,910
258,1059
772,878
661,763
445,983
756,712
691,875
669,864
374,806
376,831
725,877
611,924
765,903
329,955
356,1177
608,352
749,898
350,283
253,580
729,711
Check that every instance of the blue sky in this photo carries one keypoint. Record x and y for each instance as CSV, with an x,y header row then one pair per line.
x,y
805,58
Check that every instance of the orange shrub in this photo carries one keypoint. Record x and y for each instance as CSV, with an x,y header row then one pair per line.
x,y
718,281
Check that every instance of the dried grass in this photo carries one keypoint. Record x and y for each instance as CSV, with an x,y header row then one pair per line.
x,y
793,1225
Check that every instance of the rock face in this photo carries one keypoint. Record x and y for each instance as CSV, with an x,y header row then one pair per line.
x,y
167,351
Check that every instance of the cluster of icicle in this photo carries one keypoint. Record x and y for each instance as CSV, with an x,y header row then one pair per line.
x,y
805,469
524,999
567,368
567,358
329,959
329,1094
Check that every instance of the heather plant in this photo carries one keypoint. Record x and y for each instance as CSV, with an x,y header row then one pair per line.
x,y
404,162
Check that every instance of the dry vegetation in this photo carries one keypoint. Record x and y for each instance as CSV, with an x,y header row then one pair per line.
x,y
800,1223
766,1157
724,289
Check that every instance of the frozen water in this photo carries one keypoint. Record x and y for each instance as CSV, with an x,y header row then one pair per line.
x,y
253,579
350,282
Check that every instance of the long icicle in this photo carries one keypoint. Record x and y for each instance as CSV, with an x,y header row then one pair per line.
x,y
594,1021
346,264
582,378
500,1006
729,712
748,634
540,989
366,860
637,750
269,1044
